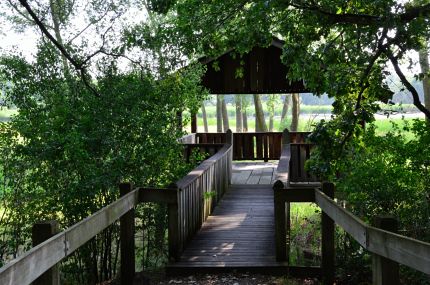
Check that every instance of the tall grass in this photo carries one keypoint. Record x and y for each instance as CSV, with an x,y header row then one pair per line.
x,y
305,245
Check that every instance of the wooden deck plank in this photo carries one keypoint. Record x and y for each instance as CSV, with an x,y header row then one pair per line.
x,y
246,172
253,179
239,233
240,177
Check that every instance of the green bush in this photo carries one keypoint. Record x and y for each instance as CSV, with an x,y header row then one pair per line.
x,y
64,154
378,175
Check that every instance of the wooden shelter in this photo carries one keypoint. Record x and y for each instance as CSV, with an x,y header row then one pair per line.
x,y
260,71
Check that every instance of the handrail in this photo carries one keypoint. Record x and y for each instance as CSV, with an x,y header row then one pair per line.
x,y
39,259
202,167
410,252
289,140
42,257
252,146
191,138
199,192
394,247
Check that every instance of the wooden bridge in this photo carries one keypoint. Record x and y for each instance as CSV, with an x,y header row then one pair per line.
x,y
215,226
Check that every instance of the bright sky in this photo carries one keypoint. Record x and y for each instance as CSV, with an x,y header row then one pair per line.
x,y
26,39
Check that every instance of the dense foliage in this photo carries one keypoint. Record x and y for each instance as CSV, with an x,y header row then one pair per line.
x,y
378,176
65,152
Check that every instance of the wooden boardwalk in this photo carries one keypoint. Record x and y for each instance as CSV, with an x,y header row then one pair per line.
x,y
240,232
254,172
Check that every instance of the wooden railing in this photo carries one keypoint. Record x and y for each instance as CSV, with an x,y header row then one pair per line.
x,y
253,146
188,139
388,248
198,193
204,148
295,152
189,202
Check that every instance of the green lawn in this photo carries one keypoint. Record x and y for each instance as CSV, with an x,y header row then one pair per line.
x,y
306,121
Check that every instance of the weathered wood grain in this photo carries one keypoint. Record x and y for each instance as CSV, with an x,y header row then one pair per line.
x,y
351,224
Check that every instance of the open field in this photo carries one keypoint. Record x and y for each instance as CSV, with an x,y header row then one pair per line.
x,y
307,120
309,115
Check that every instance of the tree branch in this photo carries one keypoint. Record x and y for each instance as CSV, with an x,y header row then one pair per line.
x,y
78,66
365,19
407,84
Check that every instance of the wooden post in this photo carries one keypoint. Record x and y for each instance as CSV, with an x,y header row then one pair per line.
x,y
174,238
128,258
286,137
229,137
194,123
327,240
280,222
41,232
265,148
384,270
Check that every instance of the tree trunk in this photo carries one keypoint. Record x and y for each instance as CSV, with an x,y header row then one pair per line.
x,y
260,122
225,115
56,21
271,123
239,115
424,63
218,114
205,118
245,121
295,110
287,100
270,103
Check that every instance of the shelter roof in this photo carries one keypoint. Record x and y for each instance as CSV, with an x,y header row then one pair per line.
x,y
260,71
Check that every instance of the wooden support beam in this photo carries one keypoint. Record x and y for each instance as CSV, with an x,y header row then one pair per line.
x,y
384,270
327,239
296,194
194,123
286,137
41,232
128,257
174,239
229,137
280,223
155,195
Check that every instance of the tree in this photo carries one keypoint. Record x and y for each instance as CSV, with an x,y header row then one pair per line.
x,y
86,123
260,122
424,64
218,114
239,114
295,111
205,118
245,105
338,48
272,100
225,121
285,107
